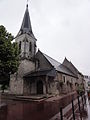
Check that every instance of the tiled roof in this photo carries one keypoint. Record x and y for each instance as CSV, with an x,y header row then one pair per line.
x,y
52,61
65,70
58,66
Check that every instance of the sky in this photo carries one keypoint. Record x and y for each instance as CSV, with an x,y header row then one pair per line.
x,y
61,27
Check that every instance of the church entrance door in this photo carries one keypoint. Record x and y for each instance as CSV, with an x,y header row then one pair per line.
x,y
39,87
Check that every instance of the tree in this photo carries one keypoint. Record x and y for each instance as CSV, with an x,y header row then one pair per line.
x,y
80,90
9,55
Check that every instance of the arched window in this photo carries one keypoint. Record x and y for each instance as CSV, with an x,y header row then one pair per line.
x,y
64,79
30,47
20,45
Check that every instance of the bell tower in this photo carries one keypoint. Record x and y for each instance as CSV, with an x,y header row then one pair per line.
x,y
25,38
27,46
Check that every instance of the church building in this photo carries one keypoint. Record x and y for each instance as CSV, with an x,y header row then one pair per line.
x,y
38,73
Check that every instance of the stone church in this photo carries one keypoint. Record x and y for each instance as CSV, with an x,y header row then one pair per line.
x,y
38,73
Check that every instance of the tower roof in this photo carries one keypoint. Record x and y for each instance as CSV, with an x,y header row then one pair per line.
x,y
26,27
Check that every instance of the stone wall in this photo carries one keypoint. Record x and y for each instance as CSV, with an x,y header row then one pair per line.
x,y
68,83
25,67
16,80
16,84
25,45
43,63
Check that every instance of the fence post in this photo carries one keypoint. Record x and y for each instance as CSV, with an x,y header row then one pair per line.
x,y
82,102
73,110
61,114
85,99
79,104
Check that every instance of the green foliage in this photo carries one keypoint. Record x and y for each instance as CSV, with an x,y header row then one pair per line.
x,y
3,87
9,53
88,83
80,90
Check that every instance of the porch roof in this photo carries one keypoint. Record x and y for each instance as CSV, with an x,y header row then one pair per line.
x,y
49,72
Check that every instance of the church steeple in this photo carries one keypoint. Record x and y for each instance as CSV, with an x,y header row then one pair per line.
x,y
25,38
26,27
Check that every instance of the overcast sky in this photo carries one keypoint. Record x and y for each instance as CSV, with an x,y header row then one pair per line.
x,y
62,27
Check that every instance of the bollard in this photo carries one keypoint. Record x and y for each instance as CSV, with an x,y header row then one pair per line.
x,y
61,114
73,110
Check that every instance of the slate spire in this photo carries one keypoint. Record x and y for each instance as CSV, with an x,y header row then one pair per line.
x,y
26,27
